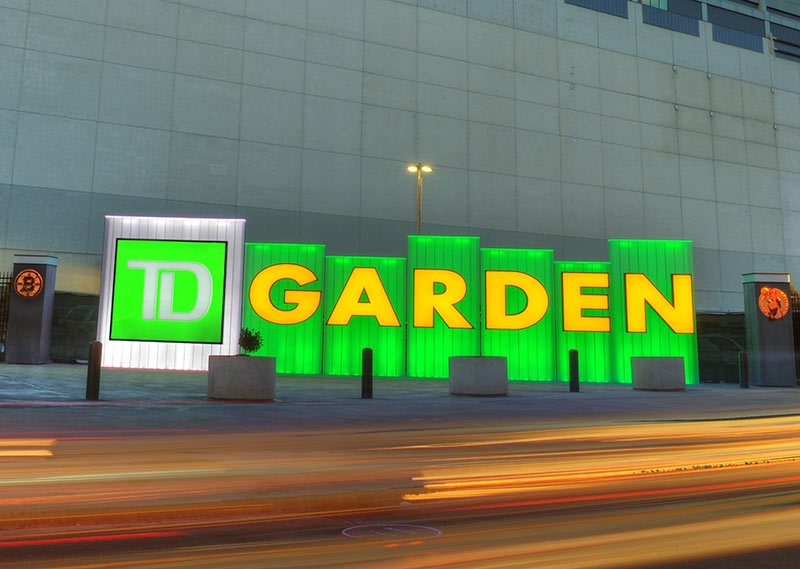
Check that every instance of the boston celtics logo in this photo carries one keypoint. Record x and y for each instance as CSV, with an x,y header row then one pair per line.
x,y
773,302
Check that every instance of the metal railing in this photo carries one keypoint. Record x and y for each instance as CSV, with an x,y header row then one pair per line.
x,y
5,298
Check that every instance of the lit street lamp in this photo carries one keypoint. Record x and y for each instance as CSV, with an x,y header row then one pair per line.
x,y
419,169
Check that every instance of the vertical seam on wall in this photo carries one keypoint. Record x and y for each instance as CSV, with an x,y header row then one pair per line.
x,y
516,126
300,211
172,114
241,106
97,125
361,128
467,221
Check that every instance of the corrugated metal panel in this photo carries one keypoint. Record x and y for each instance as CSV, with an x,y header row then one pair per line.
x,y
529,352
429,349
614,7
736,21
670,21
785,34
171,355
593,347
688,8
344,344
736,38
296,347
658,260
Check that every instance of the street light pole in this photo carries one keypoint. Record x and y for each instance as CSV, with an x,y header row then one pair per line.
x,y
419,169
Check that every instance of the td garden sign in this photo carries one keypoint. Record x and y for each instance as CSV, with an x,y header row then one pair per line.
x,y
175,291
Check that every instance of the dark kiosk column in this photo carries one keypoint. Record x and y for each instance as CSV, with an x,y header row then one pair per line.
x,y
768,324
30,314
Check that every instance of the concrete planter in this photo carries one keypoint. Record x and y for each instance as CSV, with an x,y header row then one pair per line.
x,y
241,377
658,373
478,375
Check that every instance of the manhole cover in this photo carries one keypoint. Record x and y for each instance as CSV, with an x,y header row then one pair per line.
x,y
391,532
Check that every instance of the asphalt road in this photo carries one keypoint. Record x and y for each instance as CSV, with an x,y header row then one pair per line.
x,y
614,494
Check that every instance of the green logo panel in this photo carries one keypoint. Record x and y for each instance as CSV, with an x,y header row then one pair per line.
x,y
169,291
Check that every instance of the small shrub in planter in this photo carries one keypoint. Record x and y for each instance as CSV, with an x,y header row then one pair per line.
x,y
249,341
239,377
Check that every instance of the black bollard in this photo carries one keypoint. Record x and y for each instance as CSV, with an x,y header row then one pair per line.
x,y
93,373
366,373
574,377
744,371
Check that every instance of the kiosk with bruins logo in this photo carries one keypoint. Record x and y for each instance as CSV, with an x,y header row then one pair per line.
x,y
768,322
30,317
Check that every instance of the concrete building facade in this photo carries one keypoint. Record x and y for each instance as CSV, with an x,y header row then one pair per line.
x,y
548,124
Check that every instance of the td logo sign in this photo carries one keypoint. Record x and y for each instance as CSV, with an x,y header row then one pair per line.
x,y
168,291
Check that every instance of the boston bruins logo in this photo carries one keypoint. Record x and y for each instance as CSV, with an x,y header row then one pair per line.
x,y
773,302
28,283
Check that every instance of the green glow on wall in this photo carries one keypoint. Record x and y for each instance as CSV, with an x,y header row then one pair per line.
x,y
659,260
593,347
296,347
343,344
529,351
429,349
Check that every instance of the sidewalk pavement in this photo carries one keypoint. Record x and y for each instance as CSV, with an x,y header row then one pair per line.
x,y
52,396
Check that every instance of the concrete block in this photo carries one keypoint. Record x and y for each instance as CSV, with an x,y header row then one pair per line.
x,y
490,109
389,133
539,206
578,63
618,72
536,16
732,266
618,34
692,88
389,23
490,80
538,155
624,214
390,92
662,217
491,148
581,161
343,18
291,13
492,200
283,73
658,45
207,60
444,199
53,152
443,141
490,44
67,37
269,176
478,375
85,10
536,89
139,49
768,229
728,150
152,16
576,23
241,377
763,132
335,50
274,39
65,214
442,71
541,118
583,204
697,178
388,190
323,80
660,173
656,80
442,34
12,27
690,51
203,169
622,167
723,59
695,144
206,106
8,136
707,269
391,61
581,125
726,95
441,101
131,161
498,11
619,105
260,122
700,222
731,182
658,373
764,186
536,54
60,85
331,183
136,96
212,27
734,232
